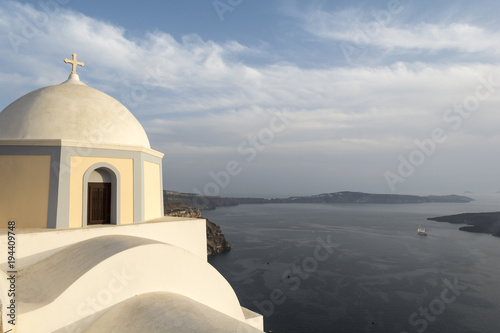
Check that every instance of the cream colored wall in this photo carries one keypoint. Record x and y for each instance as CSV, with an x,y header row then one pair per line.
x,y
24,190
79,165
152,191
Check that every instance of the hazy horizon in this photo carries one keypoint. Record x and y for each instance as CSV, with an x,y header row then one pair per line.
x,y
283,98
473,195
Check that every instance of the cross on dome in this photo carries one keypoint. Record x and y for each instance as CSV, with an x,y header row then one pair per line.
x,y
74,63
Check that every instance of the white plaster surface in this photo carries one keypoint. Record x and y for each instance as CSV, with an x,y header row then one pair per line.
x,y
102,277
166,312
56,290
34,245
71,111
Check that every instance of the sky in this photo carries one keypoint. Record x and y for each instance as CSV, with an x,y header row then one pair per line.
x,y
282,98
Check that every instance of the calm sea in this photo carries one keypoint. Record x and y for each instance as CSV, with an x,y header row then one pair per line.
x,y
362,268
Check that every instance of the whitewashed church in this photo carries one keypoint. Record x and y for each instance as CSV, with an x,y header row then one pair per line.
x,y
93,252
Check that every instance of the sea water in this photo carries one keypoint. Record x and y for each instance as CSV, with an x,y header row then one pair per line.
x,y
361,267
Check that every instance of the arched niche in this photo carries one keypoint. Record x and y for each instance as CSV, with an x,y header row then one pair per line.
x,y
97,177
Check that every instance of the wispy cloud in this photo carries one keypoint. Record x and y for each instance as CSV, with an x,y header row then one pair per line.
x,y
388,31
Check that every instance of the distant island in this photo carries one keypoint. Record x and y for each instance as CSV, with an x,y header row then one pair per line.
x,y
488,223
211,202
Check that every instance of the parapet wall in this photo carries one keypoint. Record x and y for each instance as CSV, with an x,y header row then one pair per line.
x,y
33,245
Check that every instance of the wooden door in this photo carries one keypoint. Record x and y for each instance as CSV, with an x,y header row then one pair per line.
x,y
99,203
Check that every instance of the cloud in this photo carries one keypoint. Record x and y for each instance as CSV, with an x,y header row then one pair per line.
x,y
199,100
384,29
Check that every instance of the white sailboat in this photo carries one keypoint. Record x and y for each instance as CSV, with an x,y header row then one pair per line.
x,y
421,231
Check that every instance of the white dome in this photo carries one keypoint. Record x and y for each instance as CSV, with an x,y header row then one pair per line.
x,y
71,111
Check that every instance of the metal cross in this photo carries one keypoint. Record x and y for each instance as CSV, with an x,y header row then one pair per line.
x,y
74,63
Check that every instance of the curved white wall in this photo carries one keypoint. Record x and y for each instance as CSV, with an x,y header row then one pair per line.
x,y
127,266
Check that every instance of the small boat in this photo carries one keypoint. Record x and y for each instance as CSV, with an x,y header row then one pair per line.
x,y
421,231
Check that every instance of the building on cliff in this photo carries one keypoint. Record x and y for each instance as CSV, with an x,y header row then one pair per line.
x,y
81,212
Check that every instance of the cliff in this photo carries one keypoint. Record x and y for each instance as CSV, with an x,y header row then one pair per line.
x,y
208,202
180,209
488,223
216,241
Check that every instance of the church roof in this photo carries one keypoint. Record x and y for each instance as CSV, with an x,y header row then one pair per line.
x,y
71,111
